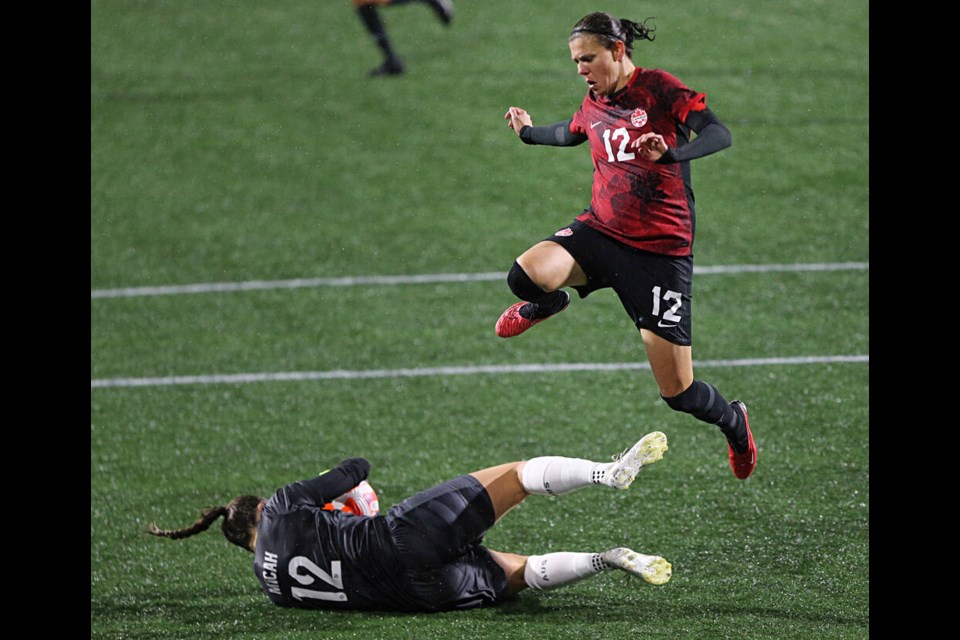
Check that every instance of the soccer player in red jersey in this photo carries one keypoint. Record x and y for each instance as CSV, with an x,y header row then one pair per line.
x,y
636,236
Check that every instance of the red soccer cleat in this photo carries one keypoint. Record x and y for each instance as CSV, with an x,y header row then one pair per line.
x,y
511,323
743,463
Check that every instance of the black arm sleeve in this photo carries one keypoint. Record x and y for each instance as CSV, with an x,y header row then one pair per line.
x,y
322,489
712,136
556,135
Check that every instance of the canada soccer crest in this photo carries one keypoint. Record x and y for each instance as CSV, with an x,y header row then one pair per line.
x,y
638,118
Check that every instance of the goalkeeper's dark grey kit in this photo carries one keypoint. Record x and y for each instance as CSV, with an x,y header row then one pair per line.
x,y
424,554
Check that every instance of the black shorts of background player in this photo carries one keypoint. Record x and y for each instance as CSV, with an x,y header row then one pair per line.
x,y
370,17
426,553
637,234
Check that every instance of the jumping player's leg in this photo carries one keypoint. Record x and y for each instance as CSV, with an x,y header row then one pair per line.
x,y
656,292
672,364
672,367
551,266
537,278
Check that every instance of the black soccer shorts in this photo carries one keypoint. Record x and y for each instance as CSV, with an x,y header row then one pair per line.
x,y
438,533
655,289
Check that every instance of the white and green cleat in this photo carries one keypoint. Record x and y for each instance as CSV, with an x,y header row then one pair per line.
x,y
653,569
622,471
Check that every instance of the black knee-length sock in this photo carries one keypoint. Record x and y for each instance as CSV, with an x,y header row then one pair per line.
x,y
704,402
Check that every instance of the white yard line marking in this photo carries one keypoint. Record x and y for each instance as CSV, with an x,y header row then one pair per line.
x,y
341,374
353,281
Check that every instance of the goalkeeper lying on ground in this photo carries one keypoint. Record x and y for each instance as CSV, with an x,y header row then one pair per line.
x,y
425,554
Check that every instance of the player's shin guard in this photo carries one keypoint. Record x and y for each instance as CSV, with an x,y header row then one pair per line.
x,y
704,402
556,475
547,303
553,570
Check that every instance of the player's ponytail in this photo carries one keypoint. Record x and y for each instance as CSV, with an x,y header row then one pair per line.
x,y
239,519
632,30
608,30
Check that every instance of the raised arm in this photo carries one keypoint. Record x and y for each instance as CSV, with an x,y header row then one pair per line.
x,y
557,134
323,488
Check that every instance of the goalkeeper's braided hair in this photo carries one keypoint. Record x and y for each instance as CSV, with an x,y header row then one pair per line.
x,y
239,517
609,29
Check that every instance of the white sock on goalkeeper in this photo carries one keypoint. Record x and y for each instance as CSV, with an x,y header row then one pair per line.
x,y
557,475
559,569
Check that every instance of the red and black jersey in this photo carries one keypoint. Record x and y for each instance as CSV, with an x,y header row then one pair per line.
x,y
647,205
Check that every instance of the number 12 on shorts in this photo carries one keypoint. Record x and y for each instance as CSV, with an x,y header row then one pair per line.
x,y
671,313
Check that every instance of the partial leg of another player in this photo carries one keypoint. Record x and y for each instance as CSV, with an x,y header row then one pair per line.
x,y
509,484
370,17
672,367
443,8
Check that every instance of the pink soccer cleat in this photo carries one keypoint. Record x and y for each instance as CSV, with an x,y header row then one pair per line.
x,y
511,323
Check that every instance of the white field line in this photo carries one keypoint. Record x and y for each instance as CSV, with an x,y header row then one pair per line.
x,y
353,281
341,374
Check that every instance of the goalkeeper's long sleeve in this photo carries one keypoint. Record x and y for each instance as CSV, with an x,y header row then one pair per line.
x,y
323,488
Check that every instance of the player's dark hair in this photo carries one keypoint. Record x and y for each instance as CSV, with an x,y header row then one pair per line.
x,y
239,517
608,30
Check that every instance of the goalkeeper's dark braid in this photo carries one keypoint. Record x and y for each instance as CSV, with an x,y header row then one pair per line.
x,y
239,519
608,30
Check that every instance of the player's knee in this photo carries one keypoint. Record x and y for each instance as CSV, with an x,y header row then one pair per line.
x,y
522,285
685,401
518,470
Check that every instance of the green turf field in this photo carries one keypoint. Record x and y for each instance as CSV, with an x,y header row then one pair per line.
x,y
241,142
